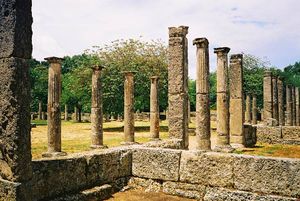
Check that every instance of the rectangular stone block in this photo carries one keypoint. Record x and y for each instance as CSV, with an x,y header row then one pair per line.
x,y
214,169
222,194
291,133
192,191
267,175
250,135
15,159
15,29
268,134
160,164
56,176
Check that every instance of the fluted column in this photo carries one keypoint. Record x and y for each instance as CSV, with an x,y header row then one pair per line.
x,y
202,94
275,99
237,138
54,95
297,106
154,108
281,114
129,108
222,143
268,96
40,110
289,106
96,110
66,112
294,105
254,109
248,109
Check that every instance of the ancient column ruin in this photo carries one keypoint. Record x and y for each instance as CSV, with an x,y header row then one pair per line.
x,y
96,110
40,110
66,112
178,85
202,94
236,108
297,106
54,120
281,114
154,108
268,96
15,52
222,143
129,108
294,105
254,109
275,114
289,106
248,109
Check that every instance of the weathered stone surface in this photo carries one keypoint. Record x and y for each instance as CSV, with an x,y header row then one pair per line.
x,y
268,134
281,114
156,163
154,108
167,144
275,99
291,133
289,106
192,191
15,29
14,191
214,169
15,160
222,194
149,185
250,135
268,95
57,176
254,109
248,109
267,175
178,84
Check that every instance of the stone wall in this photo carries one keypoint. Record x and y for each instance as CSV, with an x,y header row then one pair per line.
x,y
279,134
216,176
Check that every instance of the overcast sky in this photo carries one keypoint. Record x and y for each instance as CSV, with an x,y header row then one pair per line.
x,y
264,28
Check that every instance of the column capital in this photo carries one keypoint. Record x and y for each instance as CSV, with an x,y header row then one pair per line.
x,y
267,73
54,59
97,67
154,77
180,31
129,73
221,50
201,42
236,56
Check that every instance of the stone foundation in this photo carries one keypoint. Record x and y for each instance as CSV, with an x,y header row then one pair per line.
x,y
279,134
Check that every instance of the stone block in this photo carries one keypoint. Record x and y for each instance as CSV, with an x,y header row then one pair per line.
x,y
15,29
221,194
149,185
268,134
160,164
236,117
15,159
14,191
57,176
291,133
214,169
267,175
192,191
250,135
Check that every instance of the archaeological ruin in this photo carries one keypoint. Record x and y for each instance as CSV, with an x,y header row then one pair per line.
x,y
207,173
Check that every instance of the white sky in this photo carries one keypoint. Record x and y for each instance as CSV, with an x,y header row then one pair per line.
x,y
265,28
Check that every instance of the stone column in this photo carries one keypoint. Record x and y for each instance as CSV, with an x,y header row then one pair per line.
x,y
268,96
275,99
202,94
222,143
75,114
254,109
294,105
66,112
289,106
129,108
15,52
248,109
178,85
40,110
54,121
281,114
154,109
297,106
237,138
96,110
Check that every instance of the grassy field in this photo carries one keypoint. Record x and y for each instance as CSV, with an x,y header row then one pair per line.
x,y
76,138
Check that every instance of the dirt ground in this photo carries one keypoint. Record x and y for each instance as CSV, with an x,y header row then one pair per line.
x,y
140,195
76,138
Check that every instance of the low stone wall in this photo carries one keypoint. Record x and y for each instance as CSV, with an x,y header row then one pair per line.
x,y
279,134
55,177
216,176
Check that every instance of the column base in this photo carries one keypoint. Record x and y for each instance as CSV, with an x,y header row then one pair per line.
x,y
224,148
237,146
53,154
155,139
98,146
129,143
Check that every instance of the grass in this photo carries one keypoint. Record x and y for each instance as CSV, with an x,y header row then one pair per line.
x,y
76,138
